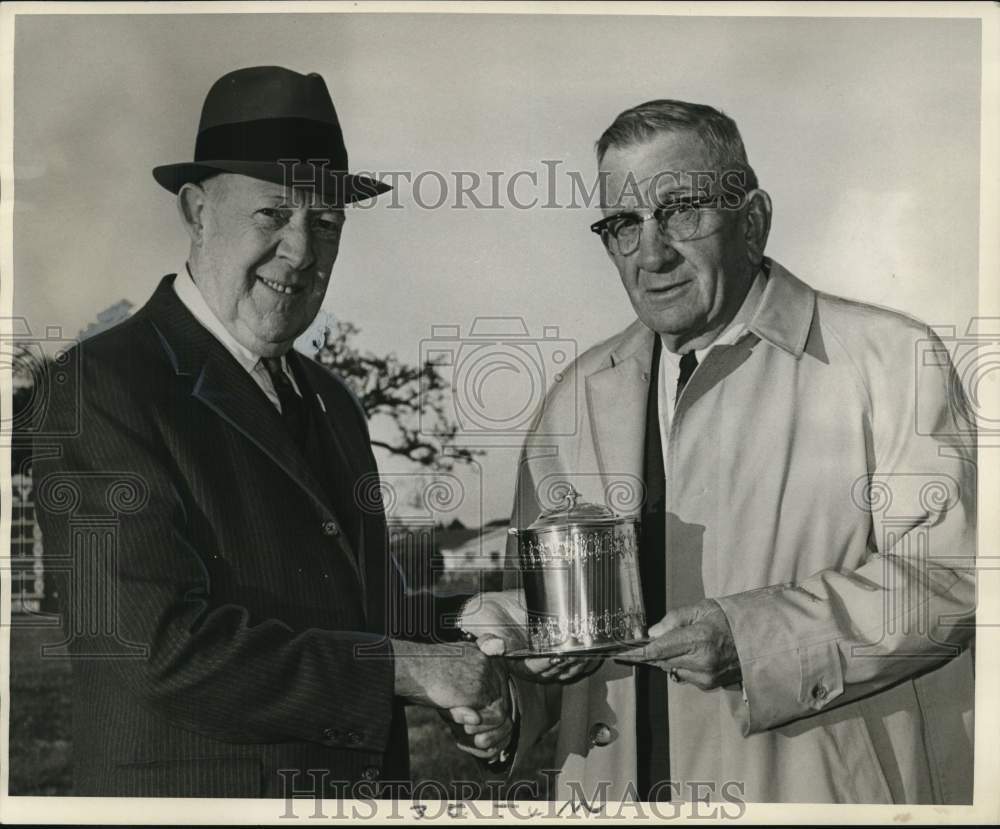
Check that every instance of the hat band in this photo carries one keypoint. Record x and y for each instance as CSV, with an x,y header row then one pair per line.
x,y
271,139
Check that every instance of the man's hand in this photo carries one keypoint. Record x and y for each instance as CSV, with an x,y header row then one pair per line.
x,y
490,736
538,668
500,623
693,644
446,676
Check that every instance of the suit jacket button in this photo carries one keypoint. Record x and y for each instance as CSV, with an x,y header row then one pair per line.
x,y
330,528
371,773
600,734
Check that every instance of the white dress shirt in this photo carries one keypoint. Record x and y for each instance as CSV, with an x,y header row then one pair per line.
x,y
190,295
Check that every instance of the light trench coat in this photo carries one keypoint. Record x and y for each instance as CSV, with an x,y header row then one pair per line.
x,y
821,470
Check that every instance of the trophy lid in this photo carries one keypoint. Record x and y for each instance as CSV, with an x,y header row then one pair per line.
x,y
574,511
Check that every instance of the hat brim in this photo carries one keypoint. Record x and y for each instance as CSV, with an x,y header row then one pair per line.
x,y
339,188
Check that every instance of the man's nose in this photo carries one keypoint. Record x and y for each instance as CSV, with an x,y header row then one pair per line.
x,y
296,246
655,254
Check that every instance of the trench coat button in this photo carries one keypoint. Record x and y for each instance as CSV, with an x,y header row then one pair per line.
x,y
600,734
330,528
371,773
819,692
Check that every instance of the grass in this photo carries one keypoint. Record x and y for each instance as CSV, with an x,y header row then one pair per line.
x,y
40,723
40,715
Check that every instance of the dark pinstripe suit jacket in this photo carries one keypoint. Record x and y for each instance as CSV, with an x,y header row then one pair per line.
x,y
225,636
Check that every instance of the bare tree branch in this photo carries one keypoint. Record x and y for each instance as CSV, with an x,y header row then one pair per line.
x,y
413,400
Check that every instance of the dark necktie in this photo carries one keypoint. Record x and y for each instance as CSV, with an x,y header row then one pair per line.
x,y
652,727
689,362
293,410
652,723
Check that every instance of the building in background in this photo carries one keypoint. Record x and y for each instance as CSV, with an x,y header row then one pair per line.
x,y
481,550
109,317
30,592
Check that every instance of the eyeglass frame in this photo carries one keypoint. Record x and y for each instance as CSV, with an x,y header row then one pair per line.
x,y
601,225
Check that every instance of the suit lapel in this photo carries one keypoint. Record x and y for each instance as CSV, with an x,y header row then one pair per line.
x,y
339,458
231,393
224,387
344,458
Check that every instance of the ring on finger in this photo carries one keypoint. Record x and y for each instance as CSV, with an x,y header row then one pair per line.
x,y
672,673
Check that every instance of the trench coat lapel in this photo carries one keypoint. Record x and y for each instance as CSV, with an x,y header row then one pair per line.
x,y
616,401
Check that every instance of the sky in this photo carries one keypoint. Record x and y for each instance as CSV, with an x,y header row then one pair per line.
x,y
864,131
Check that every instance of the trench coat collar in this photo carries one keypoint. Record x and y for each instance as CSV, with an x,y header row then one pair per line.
x,y
617,390
785,313
783,318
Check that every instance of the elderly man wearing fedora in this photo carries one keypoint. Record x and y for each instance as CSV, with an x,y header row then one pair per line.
x,y
243,575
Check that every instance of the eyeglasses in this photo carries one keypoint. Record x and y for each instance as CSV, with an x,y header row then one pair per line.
x,y
676,221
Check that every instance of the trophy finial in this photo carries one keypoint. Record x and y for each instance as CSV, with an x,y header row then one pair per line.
x,y
572,496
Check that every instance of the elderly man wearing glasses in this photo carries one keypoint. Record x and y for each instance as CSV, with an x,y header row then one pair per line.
x,y
808,520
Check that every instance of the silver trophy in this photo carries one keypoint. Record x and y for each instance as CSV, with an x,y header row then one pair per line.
x,y
580,570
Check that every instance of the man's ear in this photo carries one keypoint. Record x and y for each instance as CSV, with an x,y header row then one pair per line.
x,y
191,203
758,225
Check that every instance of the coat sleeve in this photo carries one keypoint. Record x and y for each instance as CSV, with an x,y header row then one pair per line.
x,y
840,635
204,666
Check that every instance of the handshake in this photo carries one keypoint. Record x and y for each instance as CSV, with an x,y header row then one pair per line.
x,y
470,683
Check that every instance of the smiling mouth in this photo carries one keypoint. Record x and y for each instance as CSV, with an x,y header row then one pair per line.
x,y
280,288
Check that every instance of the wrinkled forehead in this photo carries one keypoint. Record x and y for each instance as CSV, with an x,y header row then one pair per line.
x,y
252,190
670,165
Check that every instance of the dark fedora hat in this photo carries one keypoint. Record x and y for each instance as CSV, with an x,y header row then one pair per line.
x,y
271,123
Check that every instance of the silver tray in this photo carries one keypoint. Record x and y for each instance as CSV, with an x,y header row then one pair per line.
x,y
608,648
